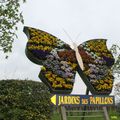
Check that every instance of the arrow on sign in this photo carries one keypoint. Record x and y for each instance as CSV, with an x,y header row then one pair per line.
x,y
53,99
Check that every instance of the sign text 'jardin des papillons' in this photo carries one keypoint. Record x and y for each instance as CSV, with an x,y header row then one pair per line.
x,y
81,100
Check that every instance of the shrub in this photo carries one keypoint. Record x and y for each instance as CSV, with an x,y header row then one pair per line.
x,y
24,100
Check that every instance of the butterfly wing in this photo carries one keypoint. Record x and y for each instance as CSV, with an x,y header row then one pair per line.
x,y
57,58
40,44
97,60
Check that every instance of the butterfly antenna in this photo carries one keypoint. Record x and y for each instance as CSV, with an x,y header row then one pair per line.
x,y
79,58
70,38
77,36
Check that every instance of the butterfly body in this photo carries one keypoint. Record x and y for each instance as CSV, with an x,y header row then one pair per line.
x,y
60,62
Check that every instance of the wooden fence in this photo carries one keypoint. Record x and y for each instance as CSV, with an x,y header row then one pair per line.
x,y
85,112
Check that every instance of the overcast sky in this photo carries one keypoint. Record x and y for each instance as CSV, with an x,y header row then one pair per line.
x,y
88,18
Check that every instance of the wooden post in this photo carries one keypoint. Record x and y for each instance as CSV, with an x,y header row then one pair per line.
x,y
106,116
87,93
63,113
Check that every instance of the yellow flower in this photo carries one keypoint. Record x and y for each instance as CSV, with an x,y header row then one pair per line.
x,y
101,81
87,72
51,79
54,76
69,86
74,65
105,86
59,79
68,79
43,69
56,85
98,87
47,75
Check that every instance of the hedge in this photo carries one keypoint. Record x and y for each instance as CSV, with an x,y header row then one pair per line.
x,y
24,100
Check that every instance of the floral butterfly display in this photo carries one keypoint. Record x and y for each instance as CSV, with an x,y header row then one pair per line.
x,y
60,63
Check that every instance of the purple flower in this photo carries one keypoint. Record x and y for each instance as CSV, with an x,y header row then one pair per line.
x,y
109,61
39,53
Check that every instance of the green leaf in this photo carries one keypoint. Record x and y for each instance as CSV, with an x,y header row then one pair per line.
x,y
16,28
10,16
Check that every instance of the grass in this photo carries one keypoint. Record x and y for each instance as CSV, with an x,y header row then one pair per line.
x,y
114,115
56,116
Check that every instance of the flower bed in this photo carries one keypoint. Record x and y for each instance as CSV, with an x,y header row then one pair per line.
x,y
97,64
57,58
60,64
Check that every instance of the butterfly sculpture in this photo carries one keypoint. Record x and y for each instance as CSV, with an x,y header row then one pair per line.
x,y
60,63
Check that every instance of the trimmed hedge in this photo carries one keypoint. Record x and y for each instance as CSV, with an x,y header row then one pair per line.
x,y
24,100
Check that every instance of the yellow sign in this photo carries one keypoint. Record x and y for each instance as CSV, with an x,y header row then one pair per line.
x,y
82,100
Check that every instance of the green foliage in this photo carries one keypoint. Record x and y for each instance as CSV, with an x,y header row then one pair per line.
x,y
115,49
24,100
9,17
117,93
118,108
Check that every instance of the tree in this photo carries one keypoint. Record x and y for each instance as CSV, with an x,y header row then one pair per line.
x,y
118,108
10,15
24,100
115,49
117,91
117,95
